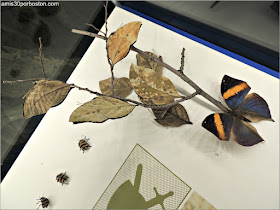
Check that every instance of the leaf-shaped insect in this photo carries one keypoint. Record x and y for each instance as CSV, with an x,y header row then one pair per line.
x,y
147,63
119,42
175,116
245,108
122,87
152,88
101,109
44,95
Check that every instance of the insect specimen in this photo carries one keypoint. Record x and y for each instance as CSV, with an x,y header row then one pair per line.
x,y
83,144
62,178
244,108
44,202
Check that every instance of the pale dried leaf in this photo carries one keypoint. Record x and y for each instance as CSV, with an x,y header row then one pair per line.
x,y
152,88
44,95
122,86
175,117
100,109
147,63
118,43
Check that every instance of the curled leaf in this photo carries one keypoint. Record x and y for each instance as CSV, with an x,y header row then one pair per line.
x,y
44,95
147,63
175,117
101,109
118,43
122,86
152,88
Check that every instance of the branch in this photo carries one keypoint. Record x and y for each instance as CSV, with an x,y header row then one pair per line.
x,y
184,78
109,61
106,16
111,69
112,80
136,102
88,34
95,28
41,59
178,73
100,37
25,80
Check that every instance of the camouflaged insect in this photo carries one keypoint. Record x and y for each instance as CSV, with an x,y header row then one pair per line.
x,y
62,178
83,144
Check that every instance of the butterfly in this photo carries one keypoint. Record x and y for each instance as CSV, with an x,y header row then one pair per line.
x,y
244,109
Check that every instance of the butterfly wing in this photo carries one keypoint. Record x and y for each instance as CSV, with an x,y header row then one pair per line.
x,y
255,108
219,124
233,91
244,133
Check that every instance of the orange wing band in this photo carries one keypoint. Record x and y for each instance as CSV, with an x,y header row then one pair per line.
x,y
234,90
219,126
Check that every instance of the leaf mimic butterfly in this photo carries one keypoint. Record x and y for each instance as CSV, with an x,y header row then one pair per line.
x,y
244,108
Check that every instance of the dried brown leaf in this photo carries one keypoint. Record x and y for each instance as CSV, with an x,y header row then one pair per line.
x,y
118,43
160,113
100,109
175,117
147,63
122,86
152,88
44,95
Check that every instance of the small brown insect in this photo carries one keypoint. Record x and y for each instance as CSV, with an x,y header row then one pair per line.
x,y
83,144
44,202
62,178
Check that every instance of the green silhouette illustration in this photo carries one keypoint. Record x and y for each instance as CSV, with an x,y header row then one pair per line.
x,y
127,196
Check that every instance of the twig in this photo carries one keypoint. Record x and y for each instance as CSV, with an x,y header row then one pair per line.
x,y
182,61
112,79
88,34
41,59
136,102
112,71
106,17
25,80
104,38
109,61
95,28
178,73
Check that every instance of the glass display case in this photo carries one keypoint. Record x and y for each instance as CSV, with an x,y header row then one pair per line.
x,y
248,28
62,51
204,53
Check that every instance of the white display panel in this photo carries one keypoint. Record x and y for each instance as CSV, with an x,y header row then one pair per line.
x,y
226,174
